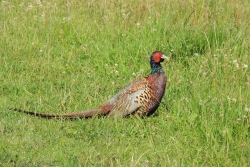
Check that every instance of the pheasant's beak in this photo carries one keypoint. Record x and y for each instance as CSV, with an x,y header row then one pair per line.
x,y
164,57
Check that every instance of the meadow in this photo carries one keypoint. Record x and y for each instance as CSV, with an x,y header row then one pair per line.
x,y
67,56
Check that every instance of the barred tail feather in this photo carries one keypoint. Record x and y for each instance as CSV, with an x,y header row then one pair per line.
x,y
82,114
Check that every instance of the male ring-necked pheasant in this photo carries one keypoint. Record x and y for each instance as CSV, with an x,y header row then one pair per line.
x,y
141,97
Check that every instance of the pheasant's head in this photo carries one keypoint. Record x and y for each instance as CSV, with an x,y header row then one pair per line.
x,y
156,58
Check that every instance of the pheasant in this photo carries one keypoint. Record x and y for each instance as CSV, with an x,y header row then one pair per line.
x,y
141,97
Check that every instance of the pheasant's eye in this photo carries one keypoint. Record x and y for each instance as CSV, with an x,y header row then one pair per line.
x,y
157,56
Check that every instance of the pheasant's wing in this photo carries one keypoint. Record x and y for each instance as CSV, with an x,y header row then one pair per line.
x,y
129,99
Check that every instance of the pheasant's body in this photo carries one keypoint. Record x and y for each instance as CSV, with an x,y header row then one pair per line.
x,y
141,97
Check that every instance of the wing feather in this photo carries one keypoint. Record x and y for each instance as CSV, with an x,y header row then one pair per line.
x,y
125,100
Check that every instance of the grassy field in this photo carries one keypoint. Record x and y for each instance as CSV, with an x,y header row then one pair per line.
x,y
66,56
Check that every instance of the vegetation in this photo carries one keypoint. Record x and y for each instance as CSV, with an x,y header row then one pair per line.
x,y
66,56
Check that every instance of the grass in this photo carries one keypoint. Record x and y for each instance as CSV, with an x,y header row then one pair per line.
x,y
60,57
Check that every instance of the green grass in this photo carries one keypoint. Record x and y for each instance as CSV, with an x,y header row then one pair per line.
x,y
66,56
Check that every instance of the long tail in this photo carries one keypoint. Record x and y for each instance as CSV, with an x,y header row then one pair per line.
x,y
101,111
